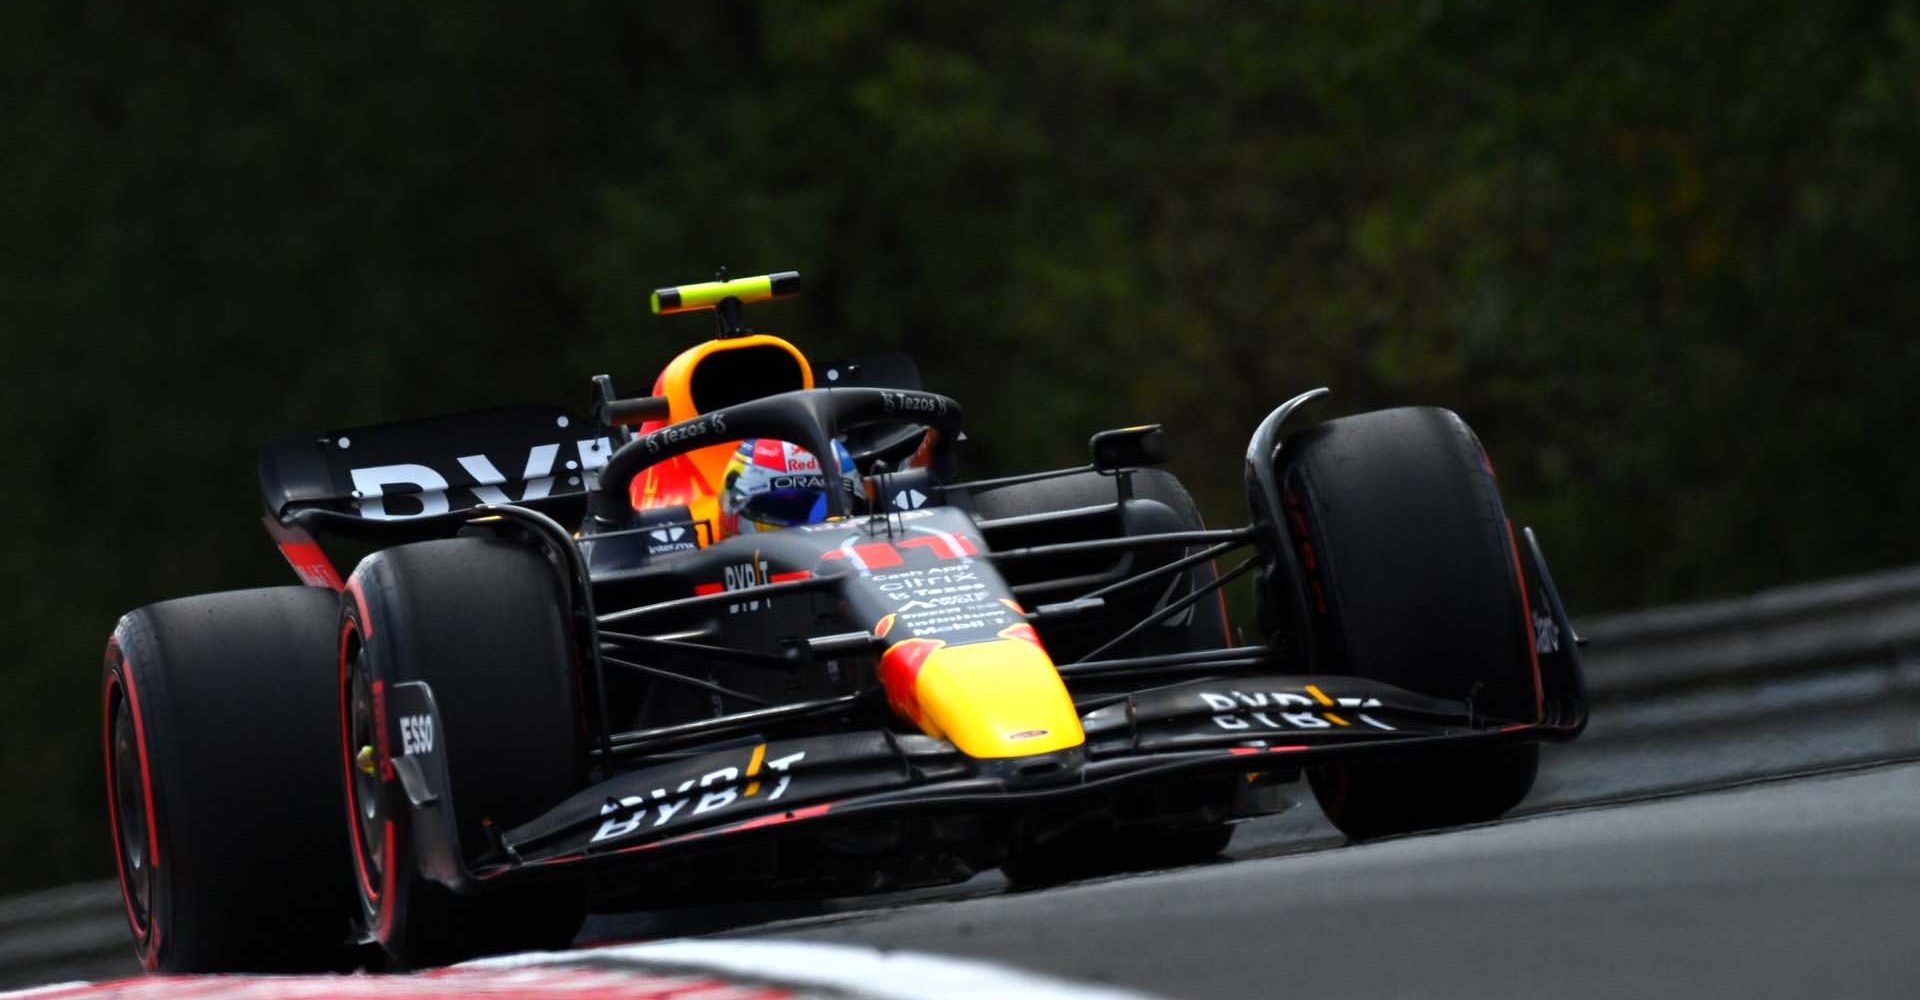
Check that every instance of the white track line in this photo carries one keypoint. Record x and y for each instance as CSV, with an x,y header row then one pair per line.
x,y
846,970
48,988
859,971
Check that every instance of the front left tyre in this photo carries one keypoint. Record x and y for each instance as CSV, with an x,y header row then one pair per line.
x,y
483,622
222,792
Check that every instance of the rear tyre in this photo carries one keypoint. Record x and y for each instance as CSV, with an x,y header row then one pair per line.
x,y
1413,580
484,623
222,791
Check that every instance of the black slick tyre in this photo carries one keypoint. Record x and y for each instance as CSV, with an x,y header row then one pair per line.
x,y
483,622
1412,579
222,789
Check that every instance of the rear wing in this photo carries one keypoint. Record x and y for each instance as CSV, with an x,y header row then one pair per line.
x,y
366,483
389,483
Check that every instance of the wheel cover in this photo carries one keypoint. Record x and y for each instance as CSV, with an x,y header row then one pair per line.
x,y
130,797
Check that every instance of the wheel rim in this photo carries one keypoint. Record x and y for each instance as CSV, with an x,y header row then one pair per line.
x,y
363,778
130,816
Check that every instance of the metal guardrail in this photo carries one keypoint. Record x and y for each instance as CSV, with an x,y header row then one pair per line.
x,y
72,931
1663,672
1776,633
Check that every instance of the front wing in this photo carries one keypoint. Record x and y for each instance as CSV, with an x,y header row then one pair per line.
x,y
1247,725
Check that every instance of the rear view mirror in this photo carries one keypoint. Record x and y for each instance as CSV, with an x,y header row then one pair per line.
x,y
1129,447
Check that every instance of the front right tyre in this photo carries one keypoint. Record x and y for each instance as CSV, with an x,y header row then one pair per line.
x,y
1413,579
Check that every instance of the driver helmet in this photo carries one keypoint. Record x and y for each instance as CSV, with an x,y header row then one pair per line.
x,y
773,484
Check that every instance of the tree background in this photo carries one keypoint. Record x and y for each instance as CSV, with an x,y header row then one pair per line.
x,y
1663,256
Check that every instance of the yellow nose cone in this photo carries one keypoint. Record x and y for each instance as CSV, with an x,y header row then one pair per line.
x,y
1001,698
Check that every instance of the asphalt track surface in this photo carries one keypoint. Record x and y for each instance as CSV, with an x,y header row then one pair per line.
x,y
1786,887
1627,874
1802,888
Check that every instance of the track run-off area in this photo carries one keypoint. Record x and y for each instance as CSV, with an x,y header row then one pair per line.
x,y
1790,887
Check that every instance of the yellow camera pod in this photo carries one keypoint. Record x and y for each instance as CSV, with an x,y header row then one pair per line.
x,y
709,294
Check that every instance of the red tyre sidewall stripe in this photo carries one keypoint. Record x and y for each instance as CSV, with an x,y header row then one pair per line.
x,y
347,757
113,801
147,942
389,878
383,930
385,898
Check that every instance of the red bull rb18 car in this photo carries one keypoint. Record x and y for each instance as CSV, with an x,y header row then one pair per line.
x,y
754,636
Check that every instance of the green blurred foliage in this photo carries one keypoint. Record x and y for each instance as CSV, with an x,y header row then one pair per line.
x,y
1662,255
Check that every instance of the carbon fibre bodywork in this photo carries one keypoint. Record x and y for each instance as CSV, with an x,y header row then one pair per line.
x,y
867,702
663,653
785,787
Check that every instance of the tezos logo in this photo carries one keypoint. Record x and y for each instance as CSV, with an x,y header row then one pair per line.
x,y
911,402
713,424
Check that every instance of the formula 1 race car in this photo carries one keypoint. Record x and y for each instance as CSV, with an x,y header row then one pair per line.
x,y
571,666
